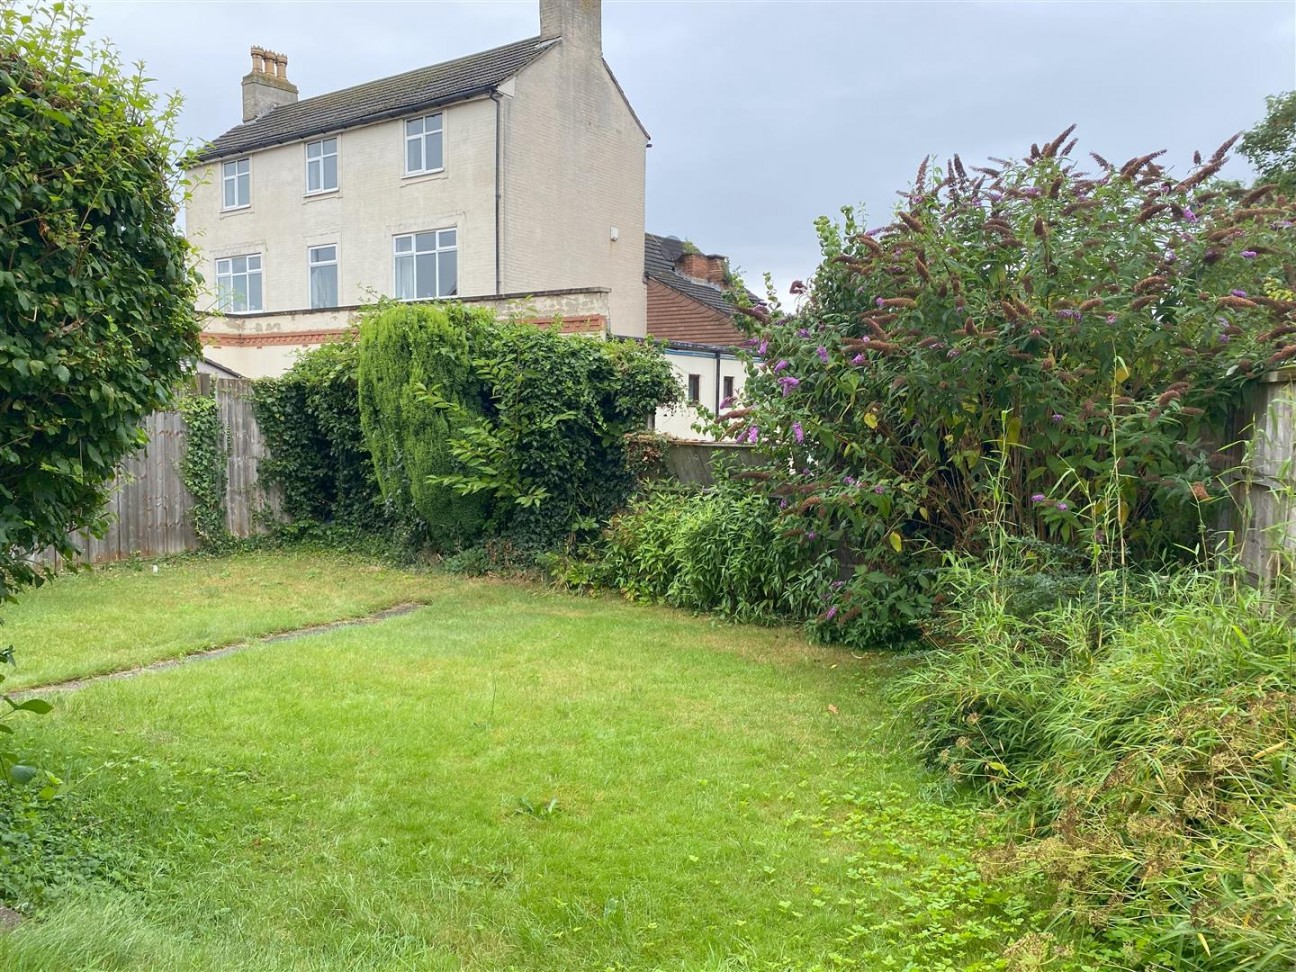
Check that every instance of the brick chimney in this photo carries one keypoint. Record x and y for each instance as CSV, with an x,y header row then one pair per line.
x,y
267,86
578,22
710,269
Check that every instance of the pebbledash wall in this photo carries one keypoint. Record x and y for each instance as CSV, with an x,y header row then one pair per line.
x,y
571,184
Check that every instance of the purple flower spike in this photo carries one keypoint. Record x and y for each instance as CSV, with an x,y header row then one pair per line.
x,y
782,504
787,382
858,359
880,302
1239,293
797,432
803,332
1190,215
753,433
811,535
832,613
1248,254
1037,498
1171,256
879,489
764,346
1111,318
726,402
1063,507
1283,224
1057,419
783,363
848,480
823,353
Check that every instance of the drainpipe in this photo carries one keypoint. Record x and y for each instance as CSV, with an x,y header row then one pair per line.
x,y
499,192
716,352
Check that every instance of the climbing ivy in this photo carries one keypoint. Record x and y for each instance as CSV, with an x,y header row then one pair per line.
x,y
202,467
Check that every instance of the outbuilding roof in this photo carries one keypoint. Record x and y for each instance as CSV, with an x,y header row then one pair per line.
x,y
362,104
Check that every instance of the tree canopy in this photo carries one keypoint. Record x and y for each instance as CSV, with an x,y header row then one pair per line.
x,y
97,321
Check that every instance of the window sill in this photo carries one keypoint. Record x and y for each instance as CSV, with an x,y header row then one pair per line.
x,y
236,211
411,178
321,194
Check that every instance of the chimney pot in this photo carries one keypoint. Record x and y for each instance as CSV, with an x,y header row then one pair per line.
x,y
266,86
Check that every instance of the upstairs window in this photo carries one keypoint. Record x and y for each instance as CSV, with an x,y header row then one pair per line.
x,y
423,145
323,267
322,165
427,264
729,388
238,284
236,181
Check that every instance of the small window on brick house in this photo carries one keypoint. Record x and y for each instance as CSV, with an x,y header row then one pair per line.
x,y
694,389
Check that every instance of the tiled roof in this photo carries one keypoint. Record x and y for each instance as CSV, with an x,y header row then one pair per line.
x,y
373,101
661,253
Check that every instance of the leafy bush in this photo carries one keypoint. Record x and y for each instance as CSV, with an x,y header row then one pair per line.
x,y
406,353
718,550
1146,751
504,430
97,323
1069,344
310,418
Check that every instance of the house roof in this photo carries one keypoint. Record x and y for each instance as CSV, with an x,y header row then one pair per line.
x,y
661,254
372,101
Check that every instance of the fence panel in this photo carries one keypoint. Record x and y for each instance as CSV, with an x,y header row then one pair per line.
x,y
150,509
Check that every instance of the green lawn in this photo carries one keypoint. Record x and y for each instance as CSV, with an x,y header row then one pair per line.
x,y
118,617
505,779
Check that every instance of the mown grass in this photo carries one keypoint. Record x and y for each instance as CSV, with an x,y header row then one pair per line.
x,y
117,617
505,779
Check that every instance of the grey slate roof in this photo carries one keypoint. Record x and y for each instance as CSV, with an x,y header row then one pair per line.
x,y
661,253
421,88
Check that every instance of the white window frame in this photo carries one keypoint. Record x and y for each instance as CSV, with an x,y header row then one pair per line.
x,y
412,253
228,178
317,162
421,137
224,292
312,264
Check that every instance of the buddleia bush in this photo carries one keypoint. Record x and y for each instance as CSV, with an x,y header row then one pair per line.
x,y
1041,346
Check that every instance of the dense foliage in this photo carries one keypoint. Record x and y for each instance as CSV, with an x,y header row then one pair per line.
x,y
1143,737
1270,146
1061,347
96,298
310,418
203,467
485,428
720,550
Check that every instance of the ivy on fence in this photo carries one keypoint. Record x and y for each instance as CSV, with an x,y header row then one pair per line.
x,y
203,467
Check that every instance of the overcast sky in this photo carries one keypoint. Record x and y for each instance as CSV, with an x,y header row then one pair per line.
x,y
765,115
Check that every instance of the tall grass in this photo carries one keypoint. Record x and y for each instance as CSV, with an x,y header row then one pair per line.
x,y
1142,731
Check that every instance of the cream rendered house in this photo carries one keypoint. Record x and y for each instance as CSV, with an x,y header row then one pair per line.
x,y
513,177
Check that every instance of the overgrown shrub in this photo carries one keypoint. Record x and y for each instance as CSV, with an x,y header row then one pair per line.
x,y
717,550
97,324
1073,341
310,418
1145,742
407,352
502,430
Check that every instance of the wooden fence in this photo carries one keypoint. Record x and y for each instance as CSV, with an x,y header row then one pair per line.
x,y
152,511
1263,515
150,508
